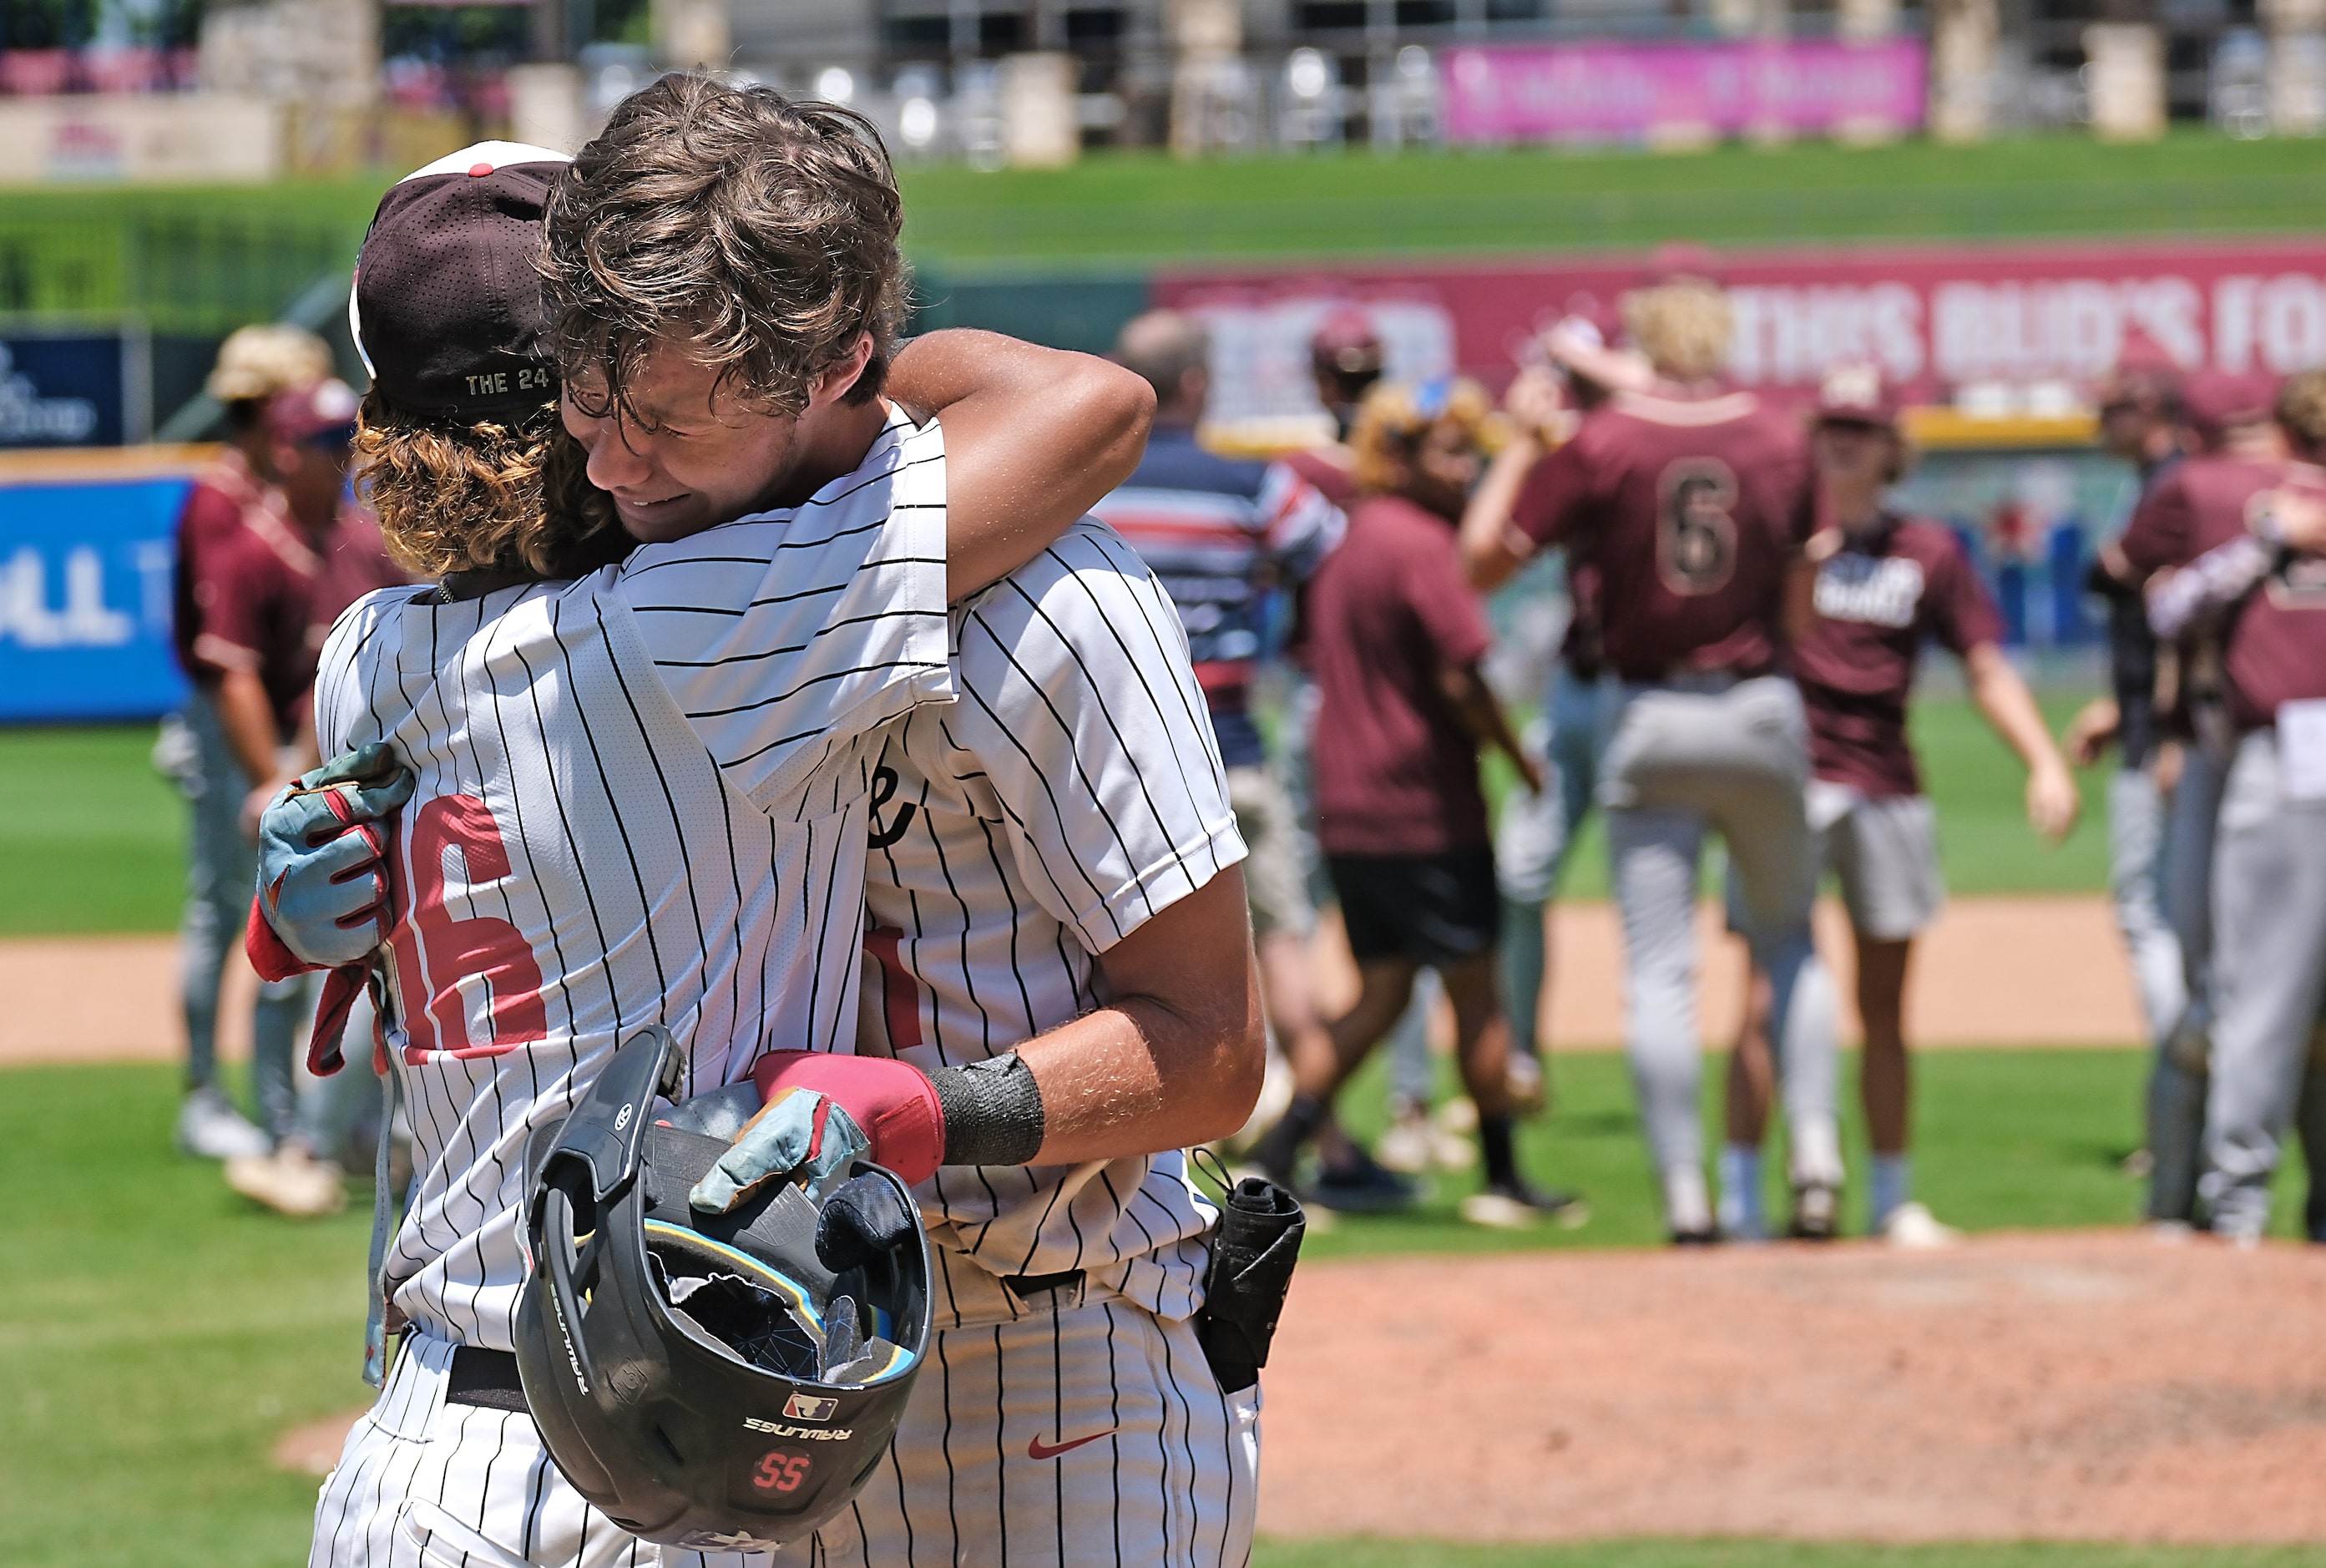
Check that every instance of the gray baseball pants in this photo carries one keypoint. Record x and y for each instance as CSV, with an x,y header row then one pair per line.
x,y
2269,978
1730,760
1537,833
2177,1076
2135,884
221,877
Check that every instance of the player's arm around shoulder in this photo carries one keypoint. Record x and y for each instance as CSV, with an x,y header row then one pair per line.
x,y
1034,438
1079,701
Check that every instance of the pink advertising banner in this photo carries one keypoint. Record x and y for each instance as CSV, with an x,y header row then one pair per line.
x,y
1935,318
1682,92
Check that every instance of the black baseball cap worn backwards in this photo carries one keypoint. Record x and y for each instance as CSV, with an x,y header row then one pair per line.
x,y
446,308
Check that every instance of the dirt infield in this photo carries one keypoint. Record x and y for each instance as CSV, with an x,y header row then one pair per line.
x,y
2081,1386
2016,971
2068,1387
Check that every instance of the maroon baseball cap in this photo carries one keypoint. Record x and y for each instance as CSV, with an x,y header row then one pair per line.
x,y
1855,392
2215,401
1346,344
446,309
319,411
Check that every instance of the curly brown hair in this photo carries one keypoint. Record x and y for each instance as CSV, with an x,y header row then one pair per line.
x,y
760,231
496,498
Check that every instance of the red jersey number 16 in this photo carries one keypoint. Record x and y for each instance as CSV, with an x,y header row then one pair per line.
x,y
436,951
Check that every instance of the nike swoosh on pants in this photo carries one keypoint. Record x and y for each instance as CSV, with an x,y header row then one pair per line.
x,y
1036,1449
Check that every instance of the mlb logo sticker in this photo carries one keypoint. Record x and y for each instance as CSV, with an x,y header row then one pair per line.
x,y
810,1407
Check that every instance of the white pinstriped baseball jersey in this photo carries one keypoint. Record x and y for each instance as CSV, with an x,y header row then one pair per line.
x,y
642,798
1073,790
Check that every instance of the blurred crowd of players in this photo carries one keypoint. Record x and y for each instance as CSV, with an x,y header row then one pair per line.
x,y
1746,614
270,548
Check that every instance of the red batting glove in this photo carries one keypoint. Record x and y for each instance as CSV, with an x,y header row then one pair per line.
x,y
894,1103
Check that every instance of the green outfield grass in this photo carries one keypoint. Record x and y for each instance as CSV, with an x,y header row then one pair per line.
x,y
1124,212
157,1334
2003,1140
91,838
1133,208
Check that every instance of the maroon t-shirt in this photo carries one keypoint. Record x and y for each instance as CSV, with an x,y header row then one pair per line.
x,y
222,492
1396,770
2275,651
2202,503
1881,596
1690,510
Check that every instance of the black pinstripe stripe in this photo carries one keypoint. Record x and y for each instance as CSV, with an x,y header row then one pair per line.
x,y
1114,1419
1000,1451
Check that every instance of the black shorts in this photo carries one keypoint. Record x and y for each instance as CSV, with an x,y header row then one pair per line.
x,y
1433,909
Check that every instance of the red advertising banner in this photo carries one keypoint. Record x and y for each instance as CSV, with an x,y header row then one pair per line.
x,y
1948,322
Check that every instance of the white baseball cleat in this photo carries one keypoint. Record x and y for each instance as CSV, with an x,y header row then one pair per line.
x,y
1405,1144
1915,1229
210,1129
289,1182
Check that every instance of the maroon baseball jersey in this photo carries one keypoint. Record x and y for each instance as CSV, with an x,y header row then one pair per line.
x,y
2202,502
1396,770
222,492
1883,596
1690,510
2275,651
265,588
354,562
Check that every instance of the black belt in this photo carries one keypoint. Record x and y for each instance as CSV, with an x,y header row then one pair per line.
x,y
485,1379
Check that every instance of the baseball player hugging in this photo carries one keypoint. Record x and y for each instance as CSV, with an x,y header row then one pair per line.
x,y
666,727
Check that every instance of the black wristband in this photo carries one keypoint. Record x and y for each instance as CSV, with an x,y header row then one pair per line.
x,y
992,1111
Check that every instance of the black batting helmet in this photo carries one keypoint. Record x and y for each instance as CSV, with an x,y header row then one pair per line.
x,y
719,1382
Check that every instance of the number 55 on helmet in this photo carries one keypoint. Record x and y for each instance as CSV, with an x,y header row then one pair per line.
x,y
719,1382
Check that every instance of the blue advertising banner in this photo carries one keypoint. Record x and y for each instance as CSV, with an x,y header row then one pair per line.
x,y
62,391
85,600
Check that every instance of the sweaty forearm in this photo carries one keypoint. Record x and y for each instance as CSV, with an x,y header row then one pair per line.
x,y
1174,1055
1137,1077
1034,438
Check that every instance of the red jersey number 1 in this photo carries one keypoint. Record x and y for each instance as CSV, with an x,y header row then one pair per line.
x,y
436,951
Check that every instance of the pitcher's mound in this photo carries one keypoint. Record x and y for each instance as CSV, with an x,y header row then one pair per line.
x,y
2096,1386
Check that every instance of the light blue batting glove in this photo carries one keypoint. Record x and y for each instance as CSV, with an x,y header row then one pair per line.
x,y
322,855
804,1133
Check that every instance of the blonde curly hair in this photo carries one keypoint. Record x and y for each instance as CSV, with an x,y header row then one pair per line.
x,y
497,498
1396,415
1684,327
2301,412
